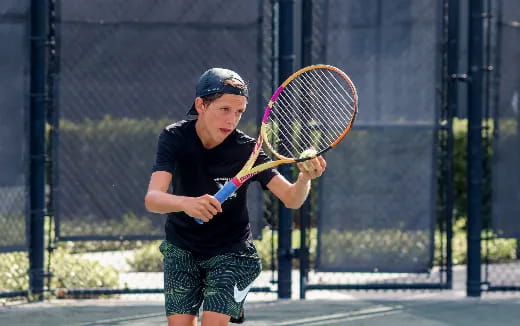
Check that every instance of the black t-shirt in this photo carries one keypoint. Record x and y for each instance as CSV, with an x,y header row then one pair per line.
x,y
197,171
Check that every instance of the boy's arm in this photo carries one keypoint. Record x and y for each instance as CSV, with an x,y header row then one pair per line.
x,y
294,194
158,200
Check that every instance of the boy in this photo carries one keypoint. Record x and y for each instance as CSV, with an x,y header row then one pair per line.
x,y
214,262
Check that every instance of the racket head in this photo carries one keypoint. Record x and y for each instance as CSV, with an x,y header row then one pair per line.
x,y
313,109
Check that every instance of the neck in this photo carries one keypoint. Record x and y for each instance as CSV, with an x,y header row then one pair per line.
x,y
204,136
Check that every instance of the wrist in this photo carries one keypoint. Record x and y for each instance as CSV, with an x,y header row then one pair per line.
x,y
304,178
181,203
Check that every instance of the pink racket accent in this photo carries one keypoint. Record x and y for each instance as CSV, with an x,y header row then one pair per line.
x,y
244,178
266,114
276,93
236,182
268,107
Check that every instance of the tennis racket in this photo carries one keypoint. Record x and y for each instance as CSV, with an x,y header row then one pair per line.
x,y
311,112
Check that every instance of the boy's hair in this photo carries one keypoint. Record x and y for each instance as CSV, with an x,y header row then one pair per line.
x,y
218,81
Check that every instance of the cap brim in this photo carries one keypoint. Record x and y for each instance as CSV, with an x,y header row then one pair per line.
x,y
192,111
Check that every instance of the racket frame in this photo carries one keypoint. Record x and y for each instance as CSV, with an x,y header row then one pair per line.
x,y
248,171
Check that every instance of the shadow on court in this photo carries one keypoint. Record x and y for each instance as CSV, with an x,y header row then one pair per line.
x,y
501,310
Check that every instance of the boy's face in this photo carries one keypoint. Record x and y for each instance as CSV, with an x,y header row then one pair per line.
x,y
221,117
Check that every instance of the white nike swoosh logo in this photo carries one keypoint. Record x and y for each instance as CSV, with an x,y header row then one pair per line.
x,y
240,295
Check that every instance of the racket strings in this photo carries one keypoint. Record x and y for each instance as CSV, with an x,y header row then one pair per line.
x,y
339,88
291,138
295,142
310,116
328,118
312,111
287,122
334,90
339,92
306,113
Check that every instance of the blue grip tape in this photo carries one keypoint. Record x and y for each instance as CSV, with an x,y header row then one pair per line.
x,y
226,191
223,194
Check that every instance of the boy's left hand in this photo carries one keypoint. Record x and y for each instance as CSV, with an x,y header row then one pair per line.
x,y
312,169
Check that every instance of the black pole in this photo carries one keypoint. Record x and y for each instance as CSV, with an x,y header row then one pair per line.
x,y
474,150
452,95
286,68
273,204
305,211
37,149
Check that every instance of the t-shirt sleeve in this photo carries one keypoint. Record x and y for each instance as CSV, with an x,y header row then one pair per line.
x,y
265,176
165,156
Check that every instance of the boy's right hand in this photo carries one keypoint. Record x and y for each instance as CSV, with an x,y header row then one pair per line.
x,y
203,207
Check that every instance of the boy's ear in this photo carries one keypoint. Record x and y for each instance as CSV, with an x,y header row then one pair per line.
x,y
199,105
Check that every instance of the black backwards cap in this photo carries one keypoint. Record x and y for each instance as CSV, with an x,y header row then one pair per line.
x,y
219,80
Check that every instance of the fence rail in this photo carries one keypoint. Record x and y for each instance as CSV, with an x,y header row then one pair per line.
x,y
117,72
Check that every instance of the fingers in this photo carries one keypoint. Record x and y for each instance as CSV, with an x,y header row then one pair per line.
x,y
204,207
313,168
322,162
214,203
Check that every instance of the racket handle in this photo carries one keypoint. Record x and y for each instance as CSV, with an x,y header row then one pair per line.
x,y
226,191
223,194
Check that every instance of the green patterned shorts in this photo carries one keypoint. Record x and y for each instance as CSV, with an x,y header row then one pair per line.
x,y
221,282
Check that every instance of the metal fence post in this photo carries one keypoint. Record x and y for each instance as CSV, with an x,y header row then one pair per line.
x,y
474,150
37,149
453,13
305,211
286,68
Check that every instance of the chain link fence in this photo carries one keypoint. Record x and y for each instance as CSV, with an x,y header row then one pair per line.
x,y
377,200
127,69
501,246
14,81
123,70
14,141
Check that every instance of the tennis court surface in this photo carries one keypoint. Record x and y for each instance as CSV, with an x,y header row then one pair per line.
x,y
368,309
